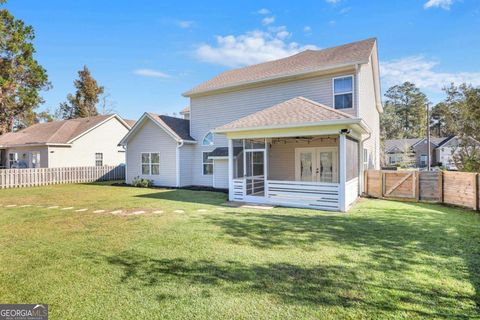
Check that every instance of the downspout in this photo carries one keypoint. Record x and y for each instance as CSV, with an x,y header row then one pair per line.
x,y
177,162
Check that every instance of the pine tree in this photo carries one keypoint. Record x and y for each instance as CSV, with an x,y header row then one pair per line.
x,y
84,102
405,113
21,76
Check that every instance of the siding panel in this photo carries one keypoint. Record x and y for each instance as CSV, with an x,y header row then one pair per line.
x,y
152,138
209,112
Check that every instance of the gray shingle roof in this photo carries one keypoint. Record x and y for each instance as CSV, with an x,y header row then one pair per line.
x,y
401,144
303,62
180,127
298,110
223,152
60,132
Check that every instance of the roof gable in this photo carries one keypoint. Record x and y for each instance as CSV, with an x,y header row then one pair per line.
x,y
56,132
302,63
178,129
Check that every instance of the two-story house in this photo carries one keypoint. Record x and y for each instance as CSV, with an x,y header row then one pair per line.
x,y
297,131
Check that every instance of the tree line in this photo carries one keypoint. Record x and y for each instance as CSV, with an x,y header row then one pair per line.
x,y
405,116
22,79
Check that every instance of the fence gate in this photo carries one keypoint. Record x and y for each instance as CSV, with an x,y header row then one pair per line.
x,y
400,184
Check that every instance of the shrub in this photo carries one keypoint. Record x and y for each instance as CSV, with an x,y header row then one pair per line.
x,y
142,182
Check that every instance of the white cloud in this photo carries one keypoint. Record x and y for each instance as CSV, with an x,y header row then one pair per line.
x,y
150,73
419,70
263,11
185,24
307,29
268,20
333,1
444,4
250,48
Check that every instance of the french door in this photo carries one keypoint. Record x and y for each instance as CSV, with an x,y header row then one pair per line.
x,y
316,164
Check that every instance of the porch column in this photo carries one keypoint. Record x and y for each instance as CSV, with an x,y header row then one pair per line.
x,y
230,169
342,157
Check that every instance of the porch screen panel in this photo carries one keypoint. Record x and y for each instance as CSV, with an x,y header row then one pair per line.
x,y
238,159
352,158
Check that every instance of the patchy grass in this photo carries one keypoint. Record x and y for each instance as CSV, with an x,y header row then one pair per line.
x,y
381,260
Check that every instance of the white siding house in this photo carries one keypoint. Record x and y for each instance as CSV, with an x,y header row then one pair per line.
x,y
155,146
70,143
295,131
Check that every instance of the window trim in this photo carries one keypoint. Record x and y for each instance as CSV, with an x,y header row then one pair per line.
x,y
150,163
353,91
203,164
213,139
101,154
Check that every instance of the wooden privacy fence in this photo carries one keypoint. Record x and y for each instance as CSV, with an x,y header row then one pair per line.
x,y
457,188
19,178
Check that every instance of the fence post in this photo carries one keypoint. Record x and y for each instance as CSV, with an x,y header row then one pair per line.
x,y
475,185
417,185
382,183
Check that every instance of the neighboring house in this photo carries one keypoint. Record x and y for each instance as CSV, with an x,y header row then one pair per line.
x,y
297,131
441,151
69,143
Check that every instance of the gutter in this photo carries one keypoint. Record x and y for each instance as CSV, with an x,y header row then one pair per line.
x,y
296,125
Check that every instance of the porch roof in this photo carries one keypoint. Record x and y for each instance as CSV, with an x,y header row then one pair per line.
x,y
222,152
295,112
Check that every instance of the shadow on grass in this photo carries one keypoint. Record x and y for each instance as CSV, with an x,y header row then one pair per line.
x,y
398,238
329,285
182,195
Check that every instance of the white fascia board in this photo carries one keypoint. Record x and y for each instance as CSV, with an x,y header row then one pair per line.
x,y
300,125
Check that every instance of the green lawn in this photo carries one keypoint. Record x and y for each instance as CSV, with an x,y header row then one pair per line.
x,y
381,260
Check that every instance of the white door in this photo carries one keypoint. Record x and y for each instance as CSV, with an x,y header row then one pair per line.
x,y
316,164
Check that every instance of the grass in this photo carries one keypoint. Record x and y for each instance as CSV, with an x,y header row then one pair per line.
x,y
382,260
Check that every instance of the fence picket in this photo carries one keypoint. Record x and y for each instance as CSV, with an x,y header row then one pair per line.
x,y
23,178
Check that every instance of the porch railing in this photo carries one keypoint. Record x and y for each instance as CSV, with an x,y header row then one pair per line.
x,y
304,194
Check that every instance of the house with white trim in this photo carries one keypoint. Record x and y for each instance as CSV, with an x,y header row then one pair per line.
x,y
297,131
78,142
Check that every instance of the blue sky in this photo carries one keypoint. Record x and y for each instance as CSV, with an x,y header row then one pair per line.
x,y
146,53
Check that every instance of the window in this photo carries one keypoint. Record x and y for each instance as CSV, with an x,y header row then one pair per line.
x,y
12,159
208,139
207,164
423,160
343,92
151,163
35,161
365,159
98,159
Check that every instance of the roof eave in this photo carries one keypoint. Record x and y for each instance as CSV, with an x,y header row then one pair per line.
x,y
40,144
353,121
191,93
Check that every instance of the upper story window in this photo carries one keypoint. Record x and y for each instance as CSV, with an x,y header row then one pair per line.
x,y
208,139
343,92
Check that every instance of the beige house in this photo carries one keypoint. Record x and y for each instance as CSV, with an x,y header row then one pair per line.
x,y
297,131
69,143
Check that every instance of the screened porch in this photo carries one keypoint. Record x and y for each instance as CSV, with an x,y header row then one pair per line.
x,y
304,171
